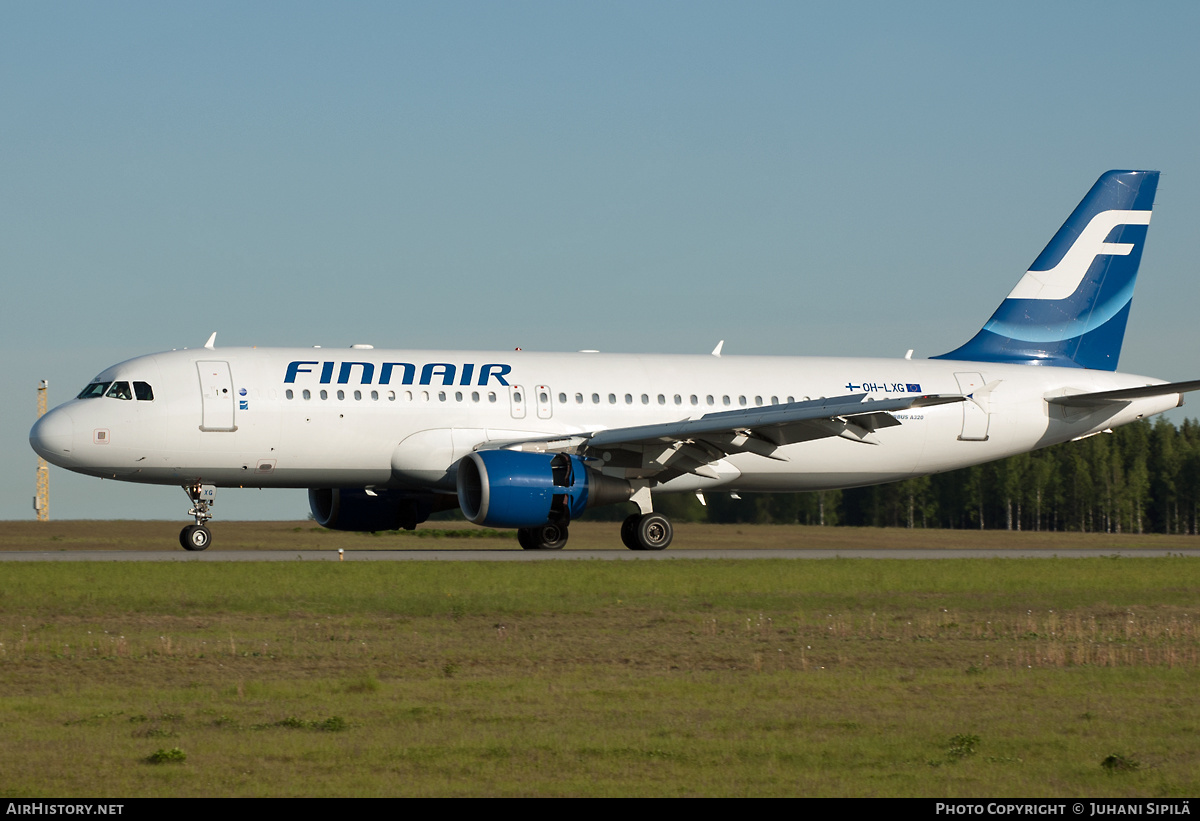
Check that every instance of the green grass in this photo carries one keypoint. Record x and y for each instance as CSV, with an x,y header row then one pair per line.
x,y
582,586
955,678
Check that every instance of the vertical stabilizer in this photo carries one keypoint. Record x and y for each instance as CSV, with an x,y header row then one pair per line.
x,y
1070,308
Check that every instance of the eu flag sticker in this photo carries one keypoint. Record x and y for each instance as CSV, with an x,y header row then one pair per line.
x,y
911,388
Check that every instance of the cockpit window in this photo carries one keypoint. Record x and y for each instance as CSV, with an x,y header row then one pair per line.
x,y
93,390
119,390
143,391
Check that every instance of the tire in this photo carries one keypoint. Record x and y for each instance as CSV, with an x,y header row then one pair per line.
x,y
654,532
195,537
629,531
543,537
550,537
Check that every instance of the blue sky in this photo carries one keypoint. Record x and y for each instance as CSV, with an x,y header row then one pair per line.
x,y
795,178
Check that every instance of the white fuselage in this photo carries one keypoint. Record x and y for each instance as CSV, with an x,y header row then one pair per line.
x,y
249,417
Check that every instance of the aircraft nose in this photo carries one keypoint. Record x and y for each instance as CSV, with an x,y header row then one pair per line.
x,y
51,436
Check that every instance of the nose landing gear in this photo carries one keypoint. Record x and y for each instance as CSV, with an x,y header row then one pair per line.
x,y
198,536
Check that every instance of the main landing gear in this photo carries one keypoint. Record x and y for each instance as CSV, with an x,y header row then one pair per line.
x,y
544,537
198,536
641,531
646,531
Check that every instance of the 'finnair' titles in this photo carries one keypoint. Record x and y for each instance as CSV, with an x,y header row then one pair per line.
x,y
383,438
405,373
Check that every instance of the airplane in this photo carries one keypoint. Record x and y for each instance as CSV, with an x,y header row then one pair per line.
x,y
383,438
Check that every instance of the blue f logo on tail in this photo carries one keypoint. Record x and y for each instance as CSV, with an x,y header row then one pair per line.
x,y
1070,308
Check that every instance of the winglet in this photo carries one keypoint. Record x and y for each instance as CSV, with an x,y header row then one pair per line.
x,y
717,350
211,343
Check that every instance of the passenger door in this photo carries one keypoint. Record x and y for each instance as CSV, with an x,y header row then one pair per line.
x,y
217,399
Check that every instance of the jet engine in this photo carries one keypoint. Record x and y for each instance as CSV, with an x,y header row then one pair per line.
x,y
510,488
362,510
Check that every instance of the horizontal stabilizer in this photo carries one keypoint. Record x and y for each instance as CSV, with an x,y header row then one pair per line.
x,y
1103,398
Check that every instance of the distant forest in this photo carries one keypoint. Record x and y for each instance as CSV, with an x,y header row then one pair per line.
x,y
1142,478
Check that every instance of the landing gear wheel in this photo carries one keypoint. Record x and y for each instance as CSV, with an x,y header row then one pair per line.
x,y
629,531
544,537
195,537
550,537
654,532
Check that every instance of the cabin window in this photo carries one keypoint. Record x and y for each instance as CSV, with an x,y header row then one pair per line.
x,y
119,390
758,401
324,394
307,393
709,399
441,396
491,396
595,399
562,399
645,399
725,400
288,393
579,399
678,399
458,396
341,394
662,400
629,399
774,400
375,395
742,401
695,399
612,399
143,392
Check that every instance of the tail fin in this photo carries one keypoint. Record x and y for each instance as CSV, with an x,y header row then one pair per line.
x,y
1070,308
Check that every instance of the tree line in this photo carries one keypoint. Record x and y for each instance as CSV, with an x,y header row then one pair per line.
x,y
1142,478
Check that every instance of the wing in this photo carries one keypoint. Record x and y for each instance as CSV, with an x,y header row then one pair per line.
x,y
670,449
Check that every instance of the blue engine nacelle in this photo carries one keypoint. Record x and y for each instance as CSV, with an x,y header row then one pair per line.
x,y
511,488
356,509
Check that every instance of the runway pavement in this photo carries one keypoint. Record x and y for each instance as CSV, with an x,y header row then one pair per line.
x,y
505,555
